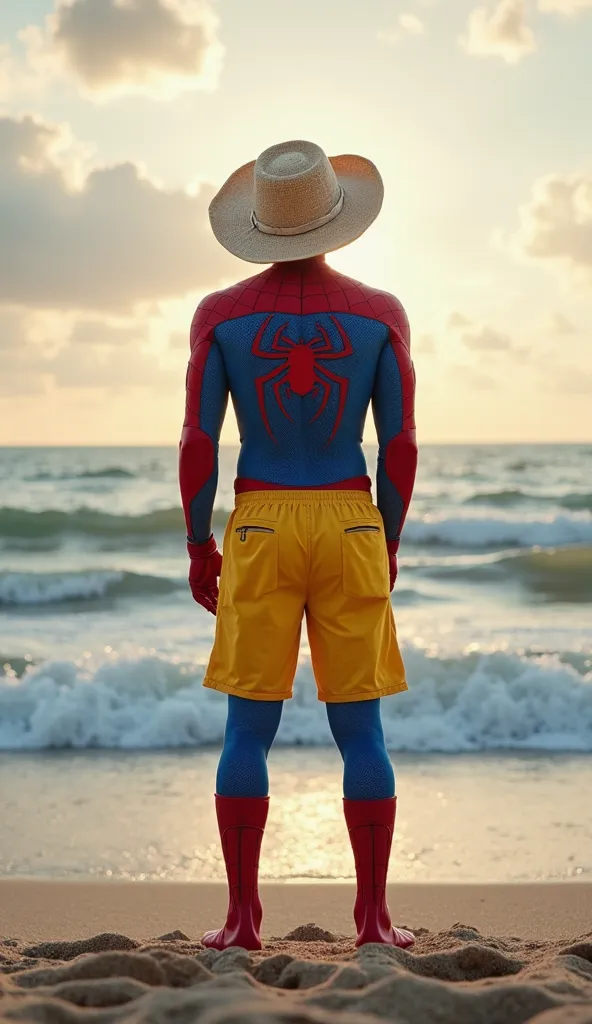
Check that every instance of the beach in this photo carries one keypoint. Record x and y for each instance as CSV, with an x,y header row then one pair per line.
x,y
110,951
110,862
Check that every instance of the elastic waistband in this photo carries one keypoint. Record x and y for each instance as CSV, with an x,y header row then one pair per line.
x,y
302,497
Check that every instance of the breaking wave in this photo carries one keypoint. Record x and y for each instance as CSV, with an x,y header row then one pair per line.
x,y
28,588
109,472
506,531
575,501
560,575
23,527
473,701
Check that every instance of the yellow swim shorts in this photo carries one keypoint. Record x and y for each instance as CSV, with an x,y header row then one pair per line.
x,y
316,553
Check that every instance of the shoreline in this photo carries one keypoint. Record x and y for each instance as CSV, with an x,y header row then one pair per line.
x,y
49,909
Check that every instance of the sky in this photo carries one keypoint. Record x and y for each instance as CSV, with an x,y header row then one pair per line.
x,y
120,119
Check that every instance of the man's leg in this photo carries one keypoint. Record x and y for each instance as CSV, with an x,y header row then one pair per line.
x,y
242,802
369,806
357,730
251,728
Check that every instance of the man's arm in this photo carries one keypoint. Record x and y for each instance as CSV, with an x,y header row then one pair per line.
x,y
393,407
205,407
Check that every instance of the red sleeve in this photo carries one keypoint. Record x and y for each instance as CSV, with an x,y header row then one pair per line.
x,y
393,402
198,449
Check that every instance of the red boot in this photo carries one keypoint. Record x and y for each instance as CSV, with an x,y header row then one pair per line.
x,y
241,821
371,824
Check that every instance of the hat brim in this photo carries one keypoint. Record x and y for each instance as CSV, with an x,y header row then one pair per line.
x,y
230,215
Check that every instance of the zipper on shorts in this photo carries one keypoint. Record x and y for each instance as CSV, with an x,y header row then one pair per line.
x,y
243,530
362,529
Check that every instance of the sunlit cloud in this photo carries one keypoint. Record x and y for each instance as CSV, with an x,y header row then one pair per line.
x,y
112,240
499,32
457,321
565,6
424,345
485,339
159,48
556,225
561,325
407,25
43,350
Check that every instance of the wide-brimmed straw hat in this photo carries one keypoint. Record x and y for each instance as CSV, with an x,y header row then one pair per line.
x,y
294,202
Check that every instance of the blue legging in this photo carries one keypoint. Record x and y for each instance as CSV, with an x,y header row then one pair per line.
x,y
251,728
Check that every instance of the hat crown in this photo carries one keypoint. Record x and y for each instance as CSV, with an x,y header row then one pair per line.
x,y
294,185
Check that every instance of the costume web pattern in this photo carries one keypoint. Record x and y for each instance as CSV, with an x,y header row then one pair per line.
x,y
356,728
306,294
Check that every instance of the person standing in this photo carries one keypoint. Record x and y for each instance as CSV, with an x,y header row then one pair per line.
x,y
304,352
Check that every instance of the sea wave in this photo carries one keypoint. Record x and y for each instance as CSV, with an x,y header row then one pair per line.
x,y
575,501
468,702
18,589
28,588
47,523
46,528
500,531
109,472
564,574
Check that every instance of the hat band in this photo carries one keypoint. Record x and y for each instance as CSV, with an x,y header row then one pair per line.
x,y
301,229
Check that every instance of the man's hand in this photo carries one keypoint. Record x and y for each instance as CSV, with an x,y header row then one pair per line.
x,y
392,547
205,568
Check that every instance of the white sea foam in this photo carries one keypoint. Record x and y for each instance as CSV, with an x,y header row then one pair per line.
x,y
465,703
30,588
504,531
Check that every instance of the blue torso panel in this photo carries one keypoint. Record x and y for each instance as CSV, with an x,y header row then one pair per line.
x,y
301,386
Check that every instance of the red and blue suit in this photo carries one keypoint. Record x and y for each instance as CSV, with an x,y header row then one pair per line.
x,y
304,352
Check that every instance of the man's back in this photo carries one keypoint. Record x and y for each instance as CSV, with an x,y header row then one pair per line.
x,y
303,351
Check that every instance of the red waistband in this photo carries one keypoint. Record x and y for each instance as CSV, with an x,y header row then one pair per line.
x,y
355,483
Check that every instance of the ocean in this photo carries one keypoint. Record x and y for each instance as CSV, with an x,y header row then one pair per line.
x,y
108,741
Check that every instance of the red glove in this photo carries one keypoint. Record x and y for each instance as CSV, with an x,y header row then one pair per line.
x,y
205,568
392,547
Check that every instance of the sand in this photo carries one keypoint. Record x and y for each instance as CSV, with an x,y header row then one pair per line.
x,y
524,953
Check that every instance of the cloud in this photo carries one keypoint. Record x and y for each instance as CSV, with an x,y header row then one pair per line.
x,y
114,47
97,333
457,321
179,339
565,6
485,339
104,240
556,224
42,350
425,344
571,380
407,25
475,378
502,32
5,70
111,367
561,325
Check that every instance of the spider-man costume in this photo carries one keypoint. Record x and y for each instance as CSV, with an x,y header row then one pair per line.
x,y
303,351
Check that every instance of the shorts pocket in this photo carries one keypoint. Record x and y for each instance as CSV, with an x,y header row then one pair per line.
x,y
252,566
365,561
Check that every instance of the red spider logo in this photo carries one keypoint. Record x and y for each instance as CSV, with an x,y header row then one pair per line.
x,y
301,372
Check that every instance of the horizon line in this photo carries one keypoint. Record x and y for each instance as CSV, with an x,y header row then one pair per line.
x,y
236,444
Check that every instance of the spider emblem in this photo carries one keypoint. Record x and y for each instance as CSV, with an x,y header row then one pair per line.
x,y
301,372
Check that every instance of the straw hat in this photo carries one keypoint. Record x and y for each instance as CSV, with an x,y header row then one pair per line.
x,y
294,202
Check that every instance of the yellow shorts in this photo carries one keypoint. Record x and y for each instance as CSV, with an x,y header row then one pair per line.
x,y
316,553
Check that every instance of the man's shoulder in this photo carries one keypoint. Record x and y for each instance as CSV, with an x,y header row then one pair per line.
x,y
278,289
366,300
240,299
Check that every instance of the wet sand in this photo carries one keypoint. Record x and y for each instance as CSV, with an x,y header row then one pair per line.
x,y
101,952
39,910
